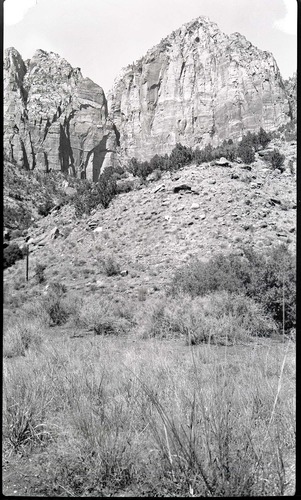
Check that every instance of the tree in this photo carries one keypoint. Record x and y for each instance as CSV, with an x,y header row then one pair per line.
x,y
263,137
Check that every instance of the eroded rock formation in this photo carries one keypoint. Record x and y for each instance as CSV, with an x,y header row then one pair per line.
x,y
54,118
198,85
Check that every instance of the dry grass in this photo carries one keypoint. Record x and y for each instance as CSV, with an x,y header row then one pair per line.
x,y
218,318
154,417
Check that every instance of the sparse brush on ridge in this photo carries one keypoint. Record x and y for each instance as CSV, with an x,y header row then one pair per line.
x,y
183,155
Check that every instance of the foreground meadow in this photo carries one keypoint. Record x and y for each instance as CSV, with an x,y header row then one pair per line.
x,y
128,416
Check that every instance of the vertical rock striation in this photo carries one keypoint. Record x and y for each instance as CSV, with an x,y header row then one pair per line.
x,y
197,86
54,119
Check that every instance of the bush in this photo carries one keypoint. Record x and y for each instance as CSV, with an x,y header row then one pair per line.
x,y
263,137
276,160
11,254
262,276
21,335
246,153
90,194
219,318
102,316
110,266
39,273
46,207
58,305
180,156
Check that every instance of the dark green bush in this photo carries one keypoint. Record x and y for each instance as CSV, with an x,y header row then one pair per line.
x,y
180,156
276,160
266,277
263,137
39,273
57,305
110,266
11,254
246,152
46,207
90,194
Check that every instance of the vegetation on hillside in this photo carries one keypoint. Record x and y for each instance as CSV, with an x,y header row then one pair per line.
x,y
268,278
184,155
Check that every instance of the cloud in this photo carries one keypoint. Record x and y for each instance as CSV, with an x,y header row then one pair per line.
x,y
288,24
15,10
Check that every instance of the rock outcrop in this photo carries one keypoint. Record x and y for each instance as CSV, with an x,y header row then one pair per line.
x,y
54,119
291,90
198,85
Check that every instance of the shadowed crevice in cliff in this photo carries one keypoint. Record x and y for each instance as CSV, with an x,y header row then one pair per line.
x,y
25,159
65,150
98,157
117,134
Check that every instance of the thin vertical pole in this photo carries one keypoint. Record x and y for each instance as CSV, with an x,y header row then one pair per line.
x,y
27,261
283,309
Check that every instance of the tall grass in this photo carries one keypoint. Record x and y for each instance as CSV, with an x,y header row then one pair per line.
x,y
150,419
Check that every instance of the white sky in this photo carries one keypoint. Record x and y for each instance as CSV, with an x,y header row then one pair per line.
x,y
102,36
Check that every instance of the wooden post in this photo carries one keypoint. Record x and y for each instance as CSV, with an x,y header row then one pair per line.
x,y
283,309
27,261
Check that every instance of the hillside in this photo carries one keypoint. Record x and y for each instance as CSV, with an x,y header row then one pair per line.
x,y
152,230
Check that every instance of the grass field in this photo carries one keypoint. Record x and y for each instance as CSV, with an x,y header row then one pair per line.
x,y
122,415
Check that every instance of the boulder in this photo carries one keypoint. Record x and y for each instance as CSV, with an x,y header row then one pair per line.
x,y
181,187
223,162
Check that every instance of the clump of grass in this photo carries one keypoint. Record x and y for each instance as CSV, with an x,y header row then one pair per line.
x,y
40,273
110,266
218,318
103,316
20,335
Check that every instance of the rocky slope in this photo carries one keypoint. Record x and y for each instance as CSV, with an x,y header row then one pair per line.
x,y
197,85
54,118
151,231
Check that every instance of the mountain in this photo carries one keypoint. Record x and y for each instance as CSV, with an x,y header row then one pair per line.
x,y
198,85
54,119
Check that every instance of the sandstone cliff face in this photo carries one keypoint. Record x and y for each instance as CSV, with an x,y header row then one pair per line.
x,y
197,86
291,91
54,118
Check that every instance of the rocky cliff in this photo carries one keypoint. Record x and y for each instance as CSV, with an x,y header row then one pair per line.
x,y
54,118
198,85
291,91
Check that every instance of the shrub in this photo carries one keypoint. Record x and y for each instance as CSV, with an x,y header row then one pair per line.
x,y
272,279
265,277
90,194
102,317
276,160
180,156
39,273
110,266
20,335
246,153
11,254
45,207
58,305
219,318
263,137
221,272
106,187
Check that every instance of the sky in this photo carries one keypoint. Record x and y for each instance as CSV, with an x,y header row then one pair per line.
x,y
103,36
